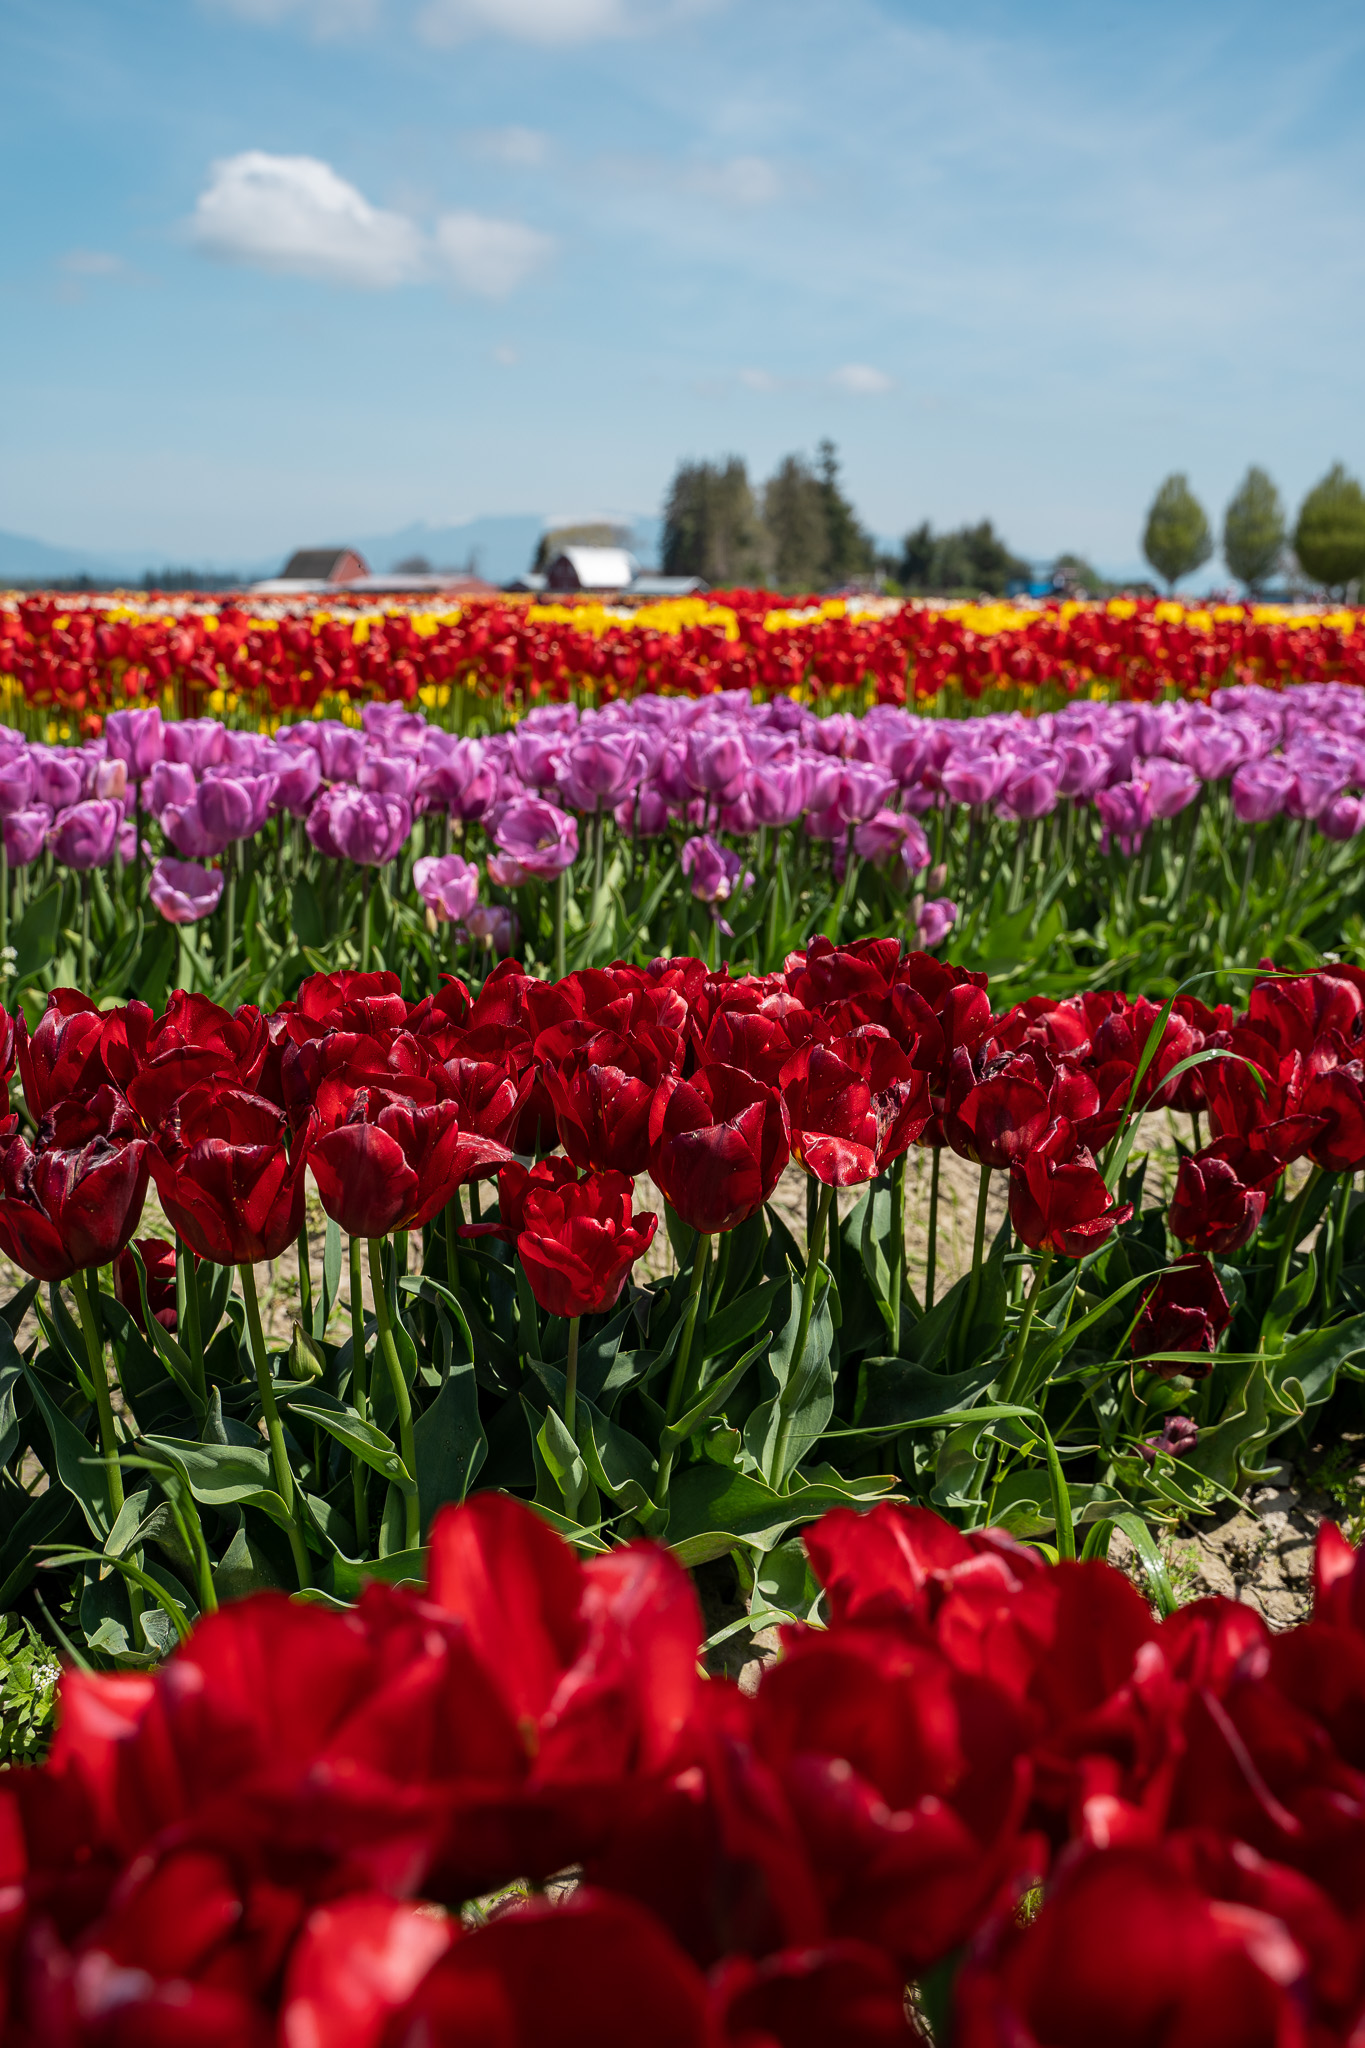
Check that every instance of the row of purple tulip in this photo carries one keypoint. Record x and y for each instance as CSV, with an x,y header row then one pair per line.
x,y
709,766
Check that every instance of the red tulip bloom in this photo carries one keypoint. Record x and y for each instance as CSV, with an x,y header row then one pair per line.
x,y
490,1095
349,1001
1187,1310
226,1178
65,1057
602,1087
394,1164
999,1116
73,1198
853,1106
1058,1199
1129,1952
1215,1209
578,1240
1336,1096
158,1259
717,1145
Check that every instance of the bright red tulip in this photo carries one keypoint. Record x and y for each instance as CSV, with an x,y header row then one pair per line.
x,y
853,1106
394,1164
717,1145
577,1240
1058,1199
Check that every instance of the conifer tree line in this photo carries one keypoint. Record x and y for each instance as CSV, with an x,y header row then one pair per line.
x,y
799,531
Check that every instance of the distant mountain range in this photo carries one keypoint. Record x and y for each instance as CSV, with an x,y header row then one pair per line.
x,y
497,547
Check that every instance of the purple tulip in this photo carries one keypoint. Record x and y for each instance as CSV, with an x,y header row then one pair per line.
x,y
464,781
388,774
394,728
1260,790
110,781
26,834
973,778
339,749
448,885
233,804
493,925
83,835
16,785
170,782
1170,785
712,869
777,790
597,769
535,841
536,755
1214,751
298,777
136,739
1084,769
714,761
247,753
1030,792
1125,813
184,826
198,743
1179,1435
644,814
1312,790
1342,818
935,921
183,891
58,777
359,825
890,836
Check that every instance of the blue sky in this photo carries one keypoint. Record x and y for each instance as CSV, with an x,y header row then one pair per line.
x,y
281,270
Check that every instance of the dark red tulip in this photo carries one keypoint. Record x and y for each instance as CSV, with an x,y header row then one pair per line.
x,y
394,1164
65,1057
1187,1310
158,1259
1000,1115
1214,1209
225,1178
1128,1952
577,1240
490,1095
1177,1438
73,1198
717,1145
853,1106
1058,1199
602,1086
1336,1096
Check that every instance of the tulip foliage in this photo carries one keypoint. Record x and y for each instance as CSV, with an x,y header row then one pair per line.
x,y
976,1794
501,1176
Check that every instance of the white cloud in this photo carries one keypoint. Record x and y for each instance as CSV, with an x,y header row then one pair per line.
x,y
294,214
326,18
862,380
92,263
744,181
549,21
758,380
521,149
488,257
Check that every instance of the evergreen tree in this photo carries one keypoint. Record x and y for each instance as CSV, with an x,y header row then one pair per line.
x,y
1177,539
1329,537
973,559
849,552
711,526
795,514
1253,530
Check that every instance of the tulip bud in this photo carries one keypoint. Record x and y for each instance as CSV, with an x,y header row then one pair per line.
x,y
306,1359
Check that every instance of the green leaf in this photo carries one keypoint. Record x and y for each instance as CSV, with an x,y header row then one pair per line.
x,y
363,1439
752,1311
894,1394
224,1475
785,1426
449,1442
80,1466
712,1507
35,936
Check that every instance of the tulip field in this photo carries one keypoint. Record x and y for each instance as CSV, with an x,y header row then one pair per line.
x,y
630,991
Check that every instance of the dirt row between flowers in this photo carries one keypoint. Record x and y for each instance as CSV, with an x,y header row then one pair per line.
x,y
1260,1552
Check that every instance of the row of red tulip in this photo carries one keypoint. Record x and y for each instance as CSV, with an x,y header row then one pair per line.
x,y
1004,1783
711,1082
87,657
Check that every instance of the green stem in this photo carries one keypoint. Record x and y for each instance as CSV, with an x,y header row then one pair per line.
x,y
931,1251
571,1414
193,1333
1293,1231
279,1456
388,1349
366,885
360,1397
1009,1391
104,1410
85,932
305,1280
561,905
4,897
230,893
973,1294
798,1359
677,1385
897,1247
